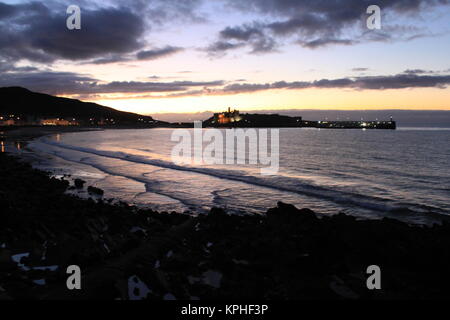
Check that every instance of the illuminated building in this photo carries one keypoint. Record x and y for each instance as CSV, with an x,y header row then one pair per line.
x,y
227,117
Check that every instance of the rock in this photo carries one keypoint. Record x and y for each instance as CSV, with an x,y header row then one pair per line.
x,y
94,190
289,212
169,297
212,278
217,212
6,264
79,184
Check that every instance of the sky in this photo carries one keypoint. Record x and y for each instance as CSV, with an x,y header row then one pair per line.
x,y
189,56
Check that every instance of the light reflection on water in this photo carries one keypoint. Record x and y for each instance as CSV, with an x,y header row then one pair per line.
x,y
14,147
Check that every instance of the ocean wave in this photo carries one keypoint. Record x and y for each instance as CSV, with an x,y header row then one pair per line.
x,y
283,184
104,169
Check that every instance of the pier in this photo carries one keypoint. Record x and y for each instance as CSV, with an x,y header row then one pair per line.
x,y
389,125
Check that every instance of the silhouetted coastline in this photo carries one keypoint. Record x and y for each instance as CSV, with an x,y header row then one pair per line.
x,y
24,108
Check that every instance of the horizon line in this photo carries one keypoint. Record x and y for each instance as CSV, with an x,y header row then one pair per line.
x,y
281,110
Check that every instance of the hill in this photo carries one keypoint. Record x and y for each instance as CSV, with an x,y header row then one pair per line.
x,y
23,102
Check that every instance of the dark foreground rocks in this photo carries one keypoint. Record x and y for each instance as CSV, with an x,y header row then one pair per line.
x,y
95,191
79,184
127,253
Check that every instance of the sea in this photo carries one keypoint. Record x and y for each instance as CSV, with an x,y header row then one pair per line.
x,y
371,174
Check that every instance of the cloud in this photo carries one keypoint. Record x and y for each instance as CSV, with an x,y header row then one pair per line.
x,y
243,33
264,45
112,31
220,47
315,24
338,10
137,87
150,54
116,30
318,43
161,12
158,53
252,35
110,58
6,10
418,71
400,81
36,33
360,69
69,83
7,67
47,81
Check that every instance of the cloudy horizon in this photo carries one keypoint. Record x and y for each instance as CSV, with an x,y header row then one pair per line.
x,y
188,56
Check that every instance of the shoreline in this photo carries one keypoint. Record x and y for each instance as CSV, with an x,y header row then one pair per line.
x,y
126,252
129,253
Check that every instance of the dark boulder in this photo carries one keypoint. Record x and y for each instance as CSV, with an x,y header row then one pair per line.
x,y
217,212
96,191
289,212
79,184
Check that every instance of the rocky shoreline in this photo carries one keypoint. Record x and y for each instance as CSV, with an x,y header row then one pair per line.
x,y
129,253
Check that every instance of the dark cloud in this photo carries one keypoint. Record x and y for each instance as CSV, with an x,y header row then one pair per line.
x,y
220,47
7,67
418,71
243,33
246,87
307,23
318,43
401,81
340,10
115,30
136,87
48,82
150,54
6,10
264,45
320,23
35,33
25,9
161,12
110,32
68,83
158,53
110,58
360,69
232,38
